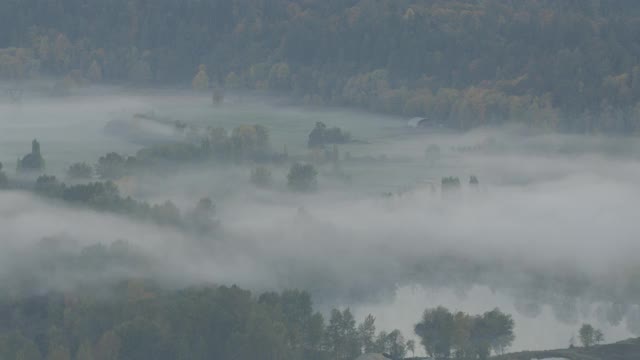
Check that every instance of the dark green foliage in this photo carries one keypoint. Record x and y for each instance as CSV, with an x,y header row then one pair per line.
x,y
80,171
443,334
166,213
436,332
590,336
473,181
493,331
49,186
341,336
302,177
4,180
105,196
114,166
138,320
316,137
450,183
321,136
366,334
124,318
393,344
245,143
33,161
463,62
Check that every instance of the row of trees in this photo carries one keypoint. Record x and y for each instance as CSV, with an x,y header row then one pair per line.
x,y
244,143
568,66
105,196
136,319
321,135
301,177
446,335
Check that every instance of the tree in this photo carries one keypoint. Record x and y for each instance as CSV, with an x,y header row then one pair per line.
x,y
436,332
450,183
492,331
4,181
398,346
411,346
461,343
279,77
341,336
315,335
49,186
200,81
366,333
202,217
381,344
233,81
62,52
166,214
316,137
80,171
249,142
590,336
113,166
473,181
321,135
598,337
302,177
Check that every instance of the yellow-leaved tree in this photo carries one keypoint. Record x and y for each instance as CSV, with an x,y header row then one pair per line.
x,y
201,80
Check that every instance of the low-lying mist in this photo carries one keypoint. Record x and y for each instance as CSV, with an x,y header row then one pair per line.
x,y
551,230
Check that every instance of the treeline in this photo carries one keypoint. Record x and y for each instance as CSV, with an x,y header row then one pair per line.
x,y
105,196
136,319
245,143
568,65
140,321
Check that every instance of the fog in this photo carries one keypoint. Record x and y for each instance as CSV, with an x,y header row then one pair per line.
x,y
550,234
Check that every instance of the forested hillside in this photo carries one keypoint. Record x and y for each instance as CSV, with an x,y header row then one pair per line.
x,y
565,65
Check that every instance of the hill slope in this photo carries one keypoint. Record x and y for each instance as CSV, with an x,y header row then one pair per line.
x,y
567,65
624,350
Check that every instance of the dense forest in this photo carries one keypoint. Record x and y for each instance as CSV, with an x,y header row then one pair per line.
x,y
137,320
568,65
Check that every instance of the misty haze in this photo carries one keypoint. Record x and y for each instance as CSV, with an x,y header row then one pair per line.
x,y
319,180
